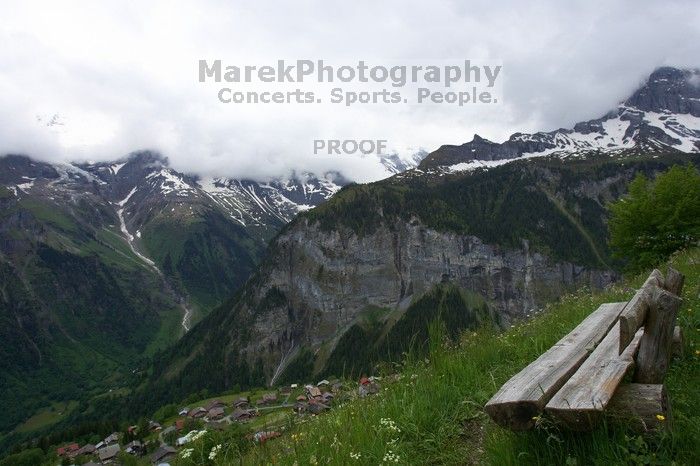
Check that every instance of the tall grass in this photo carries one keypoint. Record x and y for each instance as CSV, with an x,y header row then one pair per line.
x,y
431,410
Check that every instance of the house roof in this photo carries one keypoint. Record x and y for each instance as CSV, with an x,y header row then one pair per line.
x,y
108,452
196,411
162,452
215,404
241,413
88,448
67,449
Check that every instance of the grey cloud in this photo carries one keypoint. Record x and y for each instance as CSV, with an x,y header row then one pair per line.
x,y
124,74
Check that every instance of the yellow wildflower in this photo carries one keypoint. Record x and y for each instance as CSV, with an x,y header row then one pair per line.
x,y
661,417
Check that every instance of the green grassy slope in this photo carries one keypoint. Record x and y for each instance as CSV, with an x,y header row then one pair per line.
x,y
208,256
77,307
434,415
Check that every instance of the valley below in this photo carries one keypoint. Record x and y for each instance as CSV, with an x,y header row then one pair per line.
x,y
131,291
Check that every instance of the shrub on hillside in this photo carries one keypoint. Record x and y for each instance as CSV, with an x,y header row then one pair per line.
x,y
657,217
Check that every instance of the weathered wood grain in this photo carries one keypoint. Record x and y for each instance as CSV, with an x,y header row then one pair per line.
x,y
674,281
640,407
580,403
525,394
632,317
655,348
677,344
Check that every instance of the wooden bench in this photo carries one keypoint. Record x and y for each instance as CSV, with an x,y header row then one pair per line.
x,y
578,381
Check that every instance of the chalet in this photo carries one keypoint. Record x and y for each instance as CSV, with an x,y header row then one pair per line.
x,y
216,413
286,390
327,397
180,424
112,438
134,448
242,415
323,383
183,412
132,429
163,454
312,391
87,449
316,407
268,398
300,407
301,398
294,385
108,454
197,413
154,426
67,450
368,386
215,404
241,402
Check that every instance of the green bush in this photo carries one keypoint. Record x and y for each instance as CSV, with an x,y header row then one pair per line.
x,y
657,217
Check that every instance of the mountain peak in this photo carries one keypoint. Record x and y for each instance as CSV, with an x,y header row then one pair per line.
x,y
662,113
669,89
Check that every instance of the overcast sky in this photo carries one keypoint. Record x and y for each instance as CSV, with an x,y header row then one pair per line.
x,y
123,75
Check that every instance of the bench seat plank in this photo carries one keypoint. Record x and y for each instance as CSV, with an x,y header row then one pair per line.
x,y
525,395
580,403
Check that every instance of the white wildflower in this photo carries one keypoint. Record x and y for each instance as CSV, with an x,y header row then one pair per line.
x,y
214,451
390,457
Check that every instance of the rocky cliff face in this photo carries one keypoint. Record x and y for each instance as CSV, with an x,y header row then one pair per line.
x,y
509,226
331,278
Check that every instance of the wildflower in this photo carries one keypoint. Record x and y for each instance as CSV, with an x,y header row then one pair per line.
x,y
335,443
390,457
697,352
187,452
355,456
214,451
661,417
389,425
313,460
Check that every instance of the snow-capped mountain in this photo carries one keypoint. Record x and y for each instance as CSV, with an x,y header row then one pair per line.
x,y
262,206
664,114
203,235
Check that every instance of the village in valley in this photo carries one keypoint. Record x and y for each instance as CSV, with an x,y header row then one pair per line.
x,y
262,414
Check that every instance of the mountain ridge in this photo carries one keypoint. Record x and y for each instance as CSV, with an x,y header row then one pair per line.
x,y
659,115
384,245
